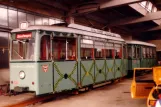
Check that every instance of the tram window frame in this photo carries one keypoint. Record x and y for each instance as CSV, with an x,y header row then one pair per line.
x,y
134,51
118,52
87,49
99,49
64,48
147,52
138,52
125,56
143,51
23,47
150,52
129,48
47,55
109,50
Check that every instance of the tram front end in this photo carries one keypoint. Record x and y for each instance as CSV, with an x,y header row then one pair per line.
x,y
30,70
23,75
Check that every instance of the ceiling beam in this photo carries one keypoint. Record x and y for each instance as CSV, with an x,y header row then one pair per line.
x,y
96,18
154,29
132,20
54,4
142,11
104,5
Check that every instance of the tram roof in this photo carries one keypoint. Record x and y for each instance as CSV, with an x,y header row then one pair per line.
x,y
70,29
140,43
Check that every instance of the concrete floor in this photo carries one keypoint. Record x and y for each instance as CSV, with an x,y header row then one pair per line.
x,y
116,95
6,100
4,76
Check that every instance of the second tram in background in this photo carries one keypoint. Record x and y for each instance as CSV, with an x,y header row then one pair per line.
x,y
140,55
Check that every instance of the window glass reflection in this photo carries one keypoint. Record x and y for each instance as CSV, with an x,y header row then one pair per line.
x,y
38,20
21,17
30,19
3,18
45,21
12,18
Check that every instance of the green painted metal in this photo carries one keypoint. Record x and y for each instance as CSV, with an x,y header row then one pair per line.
x,y
110,68
87,72
43,81
45,78
118,68
143,63
129,64
31,75
125,67
65,75
135,63
100,71
148,62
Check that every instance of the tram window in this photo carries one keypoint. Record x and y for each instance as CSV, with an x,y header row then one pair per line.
x,y
45,48
144,52
99,49
138,52
154,52
17,50
87,49
23,49
129,51
64,48
109,50
147,52
71,49
118,50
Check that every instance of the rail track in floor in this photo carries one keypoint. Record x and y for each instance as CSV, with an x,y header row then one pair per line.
x,y
50,97
32,101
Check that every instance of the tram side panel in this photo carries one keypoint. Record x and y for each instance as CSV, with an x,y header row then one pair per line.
x,y
100,71
119,60
125,67
118,68
65,75
87,72
110,63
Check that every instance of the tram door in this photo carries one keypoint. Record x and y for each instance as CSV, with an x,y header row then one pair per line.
x,y
45,66
141,85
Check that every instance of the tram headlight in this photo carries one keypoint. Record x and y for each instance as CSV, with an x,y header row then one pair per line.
x,y
22,74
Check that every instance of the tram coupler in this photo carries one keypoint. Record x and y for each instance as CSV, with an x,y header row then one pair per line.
x,y
21,89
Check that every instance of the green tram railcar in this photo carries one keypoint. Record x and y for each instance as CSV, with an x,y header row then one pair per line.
x,y
46,59
140,55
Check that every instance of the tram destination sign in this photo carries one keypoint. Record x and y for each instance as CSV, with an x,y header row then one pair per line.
x,y
23,35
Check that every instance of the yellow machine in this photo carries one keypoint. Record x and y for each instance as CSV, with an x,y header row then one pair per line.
x,y
148,86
